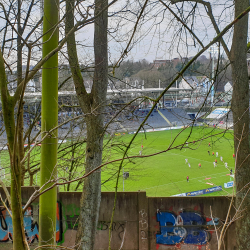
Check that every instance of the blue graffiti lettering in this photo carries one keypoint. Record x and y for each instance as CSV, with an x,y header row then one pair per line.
x,y
31,227
195,233
170,235
187,227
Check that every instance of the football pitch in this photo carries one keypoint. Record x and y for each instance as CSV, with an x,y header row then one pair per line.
x,y
164,174
160,168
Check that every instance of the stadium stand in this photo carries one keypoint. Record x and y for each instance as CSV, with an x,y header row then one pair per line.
x,y
158,119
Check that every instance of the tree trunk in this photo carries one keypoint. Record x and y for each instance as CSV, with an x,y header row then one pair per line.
x,y
19,80
91,195
18,236
47,202
16,202
240,108
92,105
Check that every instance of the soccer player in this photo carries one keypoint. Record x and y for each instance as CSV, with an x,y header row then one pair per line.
x,y
187,178
217,154
189,165
212,153
221,158
231,171
208,152
214,164
233,155
215,161
186,160
140,152
226,164
209,145
199,165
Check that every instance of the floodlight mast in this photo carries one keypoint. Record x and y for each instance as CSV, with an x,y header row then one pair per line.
x,y
213,51
123,178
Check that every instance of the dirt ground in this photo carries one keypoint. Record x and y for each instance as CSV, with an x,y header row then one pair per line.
x,y
8,246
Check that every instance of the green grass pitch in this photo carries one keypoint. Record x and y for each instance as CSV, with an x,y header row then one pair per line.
x,y
165,174
161,175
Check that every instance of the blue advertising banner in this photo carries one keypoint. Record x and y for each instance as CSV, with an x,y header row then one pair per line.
x,y
228,184
204,191
200,192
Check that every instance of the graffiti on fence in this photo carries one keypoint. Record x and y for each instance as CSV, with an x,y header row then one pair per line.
x,y
30,225
71,215
185,227
143,228
116,227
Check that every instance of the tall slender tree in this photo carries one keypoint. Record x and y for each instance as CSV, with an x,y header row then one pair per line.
x,y
92,105
47,202
240,108
14,128
15,131
8,105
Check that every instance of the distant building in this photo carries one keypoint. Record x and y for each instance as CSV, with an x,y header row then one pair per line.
x,y
188,83
175,61
159,63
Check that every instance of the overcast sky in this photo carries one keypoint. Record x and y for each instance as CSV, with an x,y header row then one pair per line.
x,y
158,35
162,37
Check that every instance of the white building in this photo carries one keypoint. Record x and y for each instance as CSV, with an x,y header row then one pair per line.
x,y
188,83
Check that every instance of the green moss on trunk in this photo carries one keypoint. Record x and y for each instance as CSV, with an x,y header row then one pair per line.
x,y
47,203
